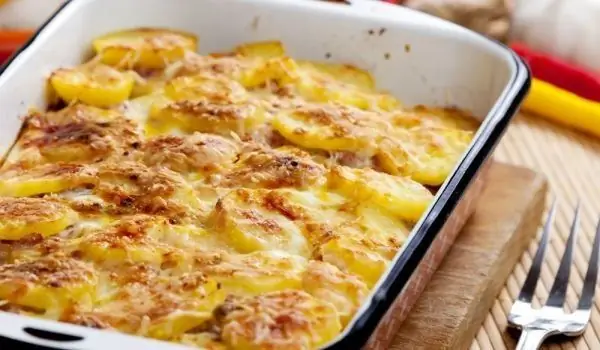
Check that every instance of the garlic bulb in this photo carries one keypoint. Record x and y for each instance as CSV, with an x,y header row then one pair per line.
x,y
568,29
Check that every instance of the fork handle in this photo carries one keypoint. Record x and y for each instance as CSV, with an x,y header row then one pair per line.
x,y
532,338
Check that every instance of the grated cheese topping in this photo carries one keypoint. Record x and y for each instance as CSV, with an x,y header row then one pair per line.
x,y
241,200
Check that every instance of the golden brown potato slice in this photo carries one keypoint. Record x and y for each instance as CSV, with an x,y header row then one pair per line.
x,y
257,272
274,168
146,239
327,127
277,71
345,84
251,223
198,153
96,85
140,299
217,117
132,239
136,188
48,178
51,283
425,143
427,155
213,88
326,282
266,321
78,133
20,217
424,117
341,73
231,66
261,49
148,82
144,47
401,196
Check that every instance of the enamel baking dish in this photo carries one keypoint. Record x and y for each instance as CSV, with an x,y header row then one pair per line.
x,y
416,57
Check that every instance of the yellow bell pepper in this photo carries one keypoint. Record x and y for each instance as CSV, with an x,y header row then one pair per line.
x,y
564,107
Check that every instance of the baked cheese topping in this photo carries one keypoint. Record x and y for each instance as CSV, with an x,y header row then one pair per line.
x,y
238,200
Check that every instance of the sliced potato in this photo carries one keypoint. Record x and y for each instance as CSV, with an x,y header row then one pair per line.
x,y
78,133
279,70
49,178
428,117
325,127
395,158
427,155
206,116
137,188
214,88
230,66
385,232
257,272
279,168
342,73
146,239
97,85
425,143
343,290
286,320
147,85
245,217
318,90
261,49
77,113
139,108
144,47
20,217
349,253
399,195
344,84
315,205
131,239
204,103
50,283
197,153
144,302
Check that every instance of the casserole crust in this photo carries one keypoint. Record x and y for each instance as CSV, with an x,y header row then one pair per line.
x,y
235,200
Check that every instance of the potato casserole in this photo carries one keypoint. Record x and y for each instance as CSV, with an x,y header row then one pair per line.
x,y
237,200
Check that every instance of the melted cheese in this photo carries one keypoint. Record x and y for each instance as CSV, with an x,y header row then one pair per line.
x,y
288,320
247,217
20,217
241,200
49,284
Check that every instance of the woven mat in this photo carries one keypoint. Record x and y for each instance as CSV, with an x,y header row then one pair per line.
x,y
571,162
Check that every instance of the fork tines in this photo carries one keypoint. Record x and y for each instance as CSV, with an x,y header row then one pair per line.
x,y
558,291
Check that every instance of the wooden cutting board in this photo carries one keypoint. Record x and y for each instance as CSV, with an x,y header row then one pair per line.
x,y
460,294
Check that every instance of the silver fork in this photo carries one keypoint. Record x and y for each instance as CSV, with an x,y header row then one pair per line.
x,y
539,324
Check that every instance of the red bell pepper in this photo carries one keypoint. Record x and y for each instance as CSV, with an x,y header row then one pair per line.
x,y
12,40
561,74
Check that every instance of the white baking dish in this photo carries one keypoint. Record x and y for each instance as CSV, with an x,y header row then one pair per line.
x,y
418,58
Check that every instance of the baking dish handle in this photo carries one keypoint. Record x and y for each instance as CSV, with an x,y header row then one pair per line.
x,y
19,332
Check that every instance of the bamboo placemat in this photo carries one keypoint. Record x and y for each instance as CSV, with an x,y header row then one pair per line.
x,y
571,162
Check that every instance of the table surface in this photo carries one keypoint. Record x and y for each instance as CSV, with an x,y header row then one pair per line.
x,y
571,162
